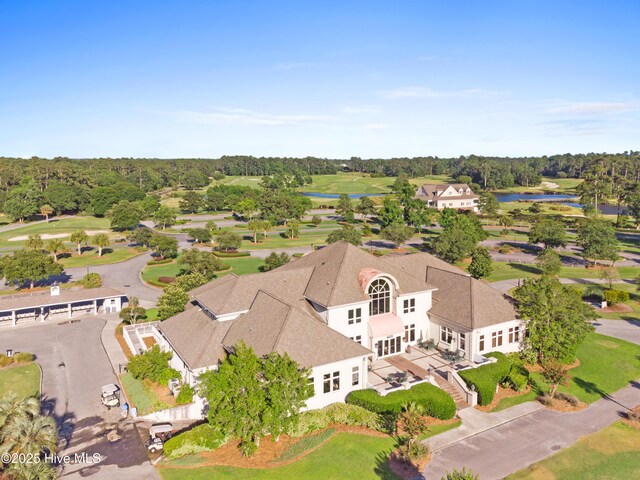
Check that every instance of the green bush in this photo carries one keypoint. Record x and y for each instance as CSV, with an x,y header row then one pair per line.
x,y
23,357
91,280
220,254
153,365
185,395
486,378
613,296
343,413
166,280
199,439
5,361
436,402
160,262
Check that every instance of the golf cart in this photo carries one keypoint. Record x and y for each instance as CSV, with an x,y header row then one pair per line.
x,y
158,434
110,396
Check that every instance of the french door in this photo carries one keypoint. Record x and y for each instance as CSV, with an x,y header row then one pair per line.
x,y
389,346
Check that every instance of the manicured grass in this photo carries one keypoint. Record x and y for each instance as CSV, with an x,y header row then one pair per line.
x,y
438,429
509,270
633,303
152,314
239,266
344,456
22,381
243,265
305,444
564,185
607,364
151,273
112,255
612,454
141,396
55,226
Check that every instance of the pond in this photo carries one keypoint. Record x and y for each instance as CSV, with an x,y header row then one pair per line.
x,y
571,200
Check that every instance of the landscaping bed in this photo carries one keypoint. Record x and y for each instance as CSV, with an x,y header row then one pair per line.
x,y
145,395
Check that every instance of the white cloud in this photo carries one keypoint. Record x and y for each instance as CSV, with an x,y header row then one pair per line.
x,y
591,108
246,117
422,92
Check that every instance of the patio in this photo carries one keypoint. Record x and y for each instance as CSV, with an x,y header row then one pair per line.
x,y
390,373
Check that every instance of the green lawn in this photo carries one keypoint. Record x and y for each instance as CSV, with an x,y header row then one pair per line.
x,y
141,396
341,457
438,429
23,380
55,226
565,185
610,454
509,270
90,257
239,266
607,364
633,303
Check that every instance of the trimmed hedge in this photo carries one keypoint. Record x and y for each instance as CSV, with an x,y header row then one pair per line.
x,y
199,439
313,420
486,378
159,262
166,280
436,402
614,297
231,254
16,359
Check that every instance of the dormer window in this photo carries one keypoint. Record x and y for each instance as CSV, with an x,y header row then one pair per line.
x,y
468,191
380,295
460,191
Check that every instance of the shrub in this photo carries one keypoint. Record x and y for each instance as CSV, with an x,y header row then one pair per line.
x,y
518,377
185,395
91,280
153,365
504,249
199,439
486,378
633,416
613,296
546,400
343,413
570,399
220,254
23,357
463,474
166,279
160,262
5,361
437,403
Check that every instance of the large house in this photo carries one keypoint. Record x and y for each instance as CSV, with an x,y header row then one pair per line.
x,y
337,310
455,195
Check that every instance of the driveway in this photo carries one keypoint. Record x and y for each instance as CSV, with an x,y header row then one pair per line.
x,y
628,330
498,452
75,366
125,276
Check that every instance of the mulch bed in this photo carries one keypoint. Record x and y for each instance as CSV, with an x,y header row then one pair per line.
x,y
269,451
502,393
162,392
149,341
562,406
618,308
408,472
122,343
633,423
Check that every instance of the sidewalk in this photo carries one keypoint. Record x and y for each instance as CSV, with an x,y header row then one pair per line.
x,y
111,345
475,422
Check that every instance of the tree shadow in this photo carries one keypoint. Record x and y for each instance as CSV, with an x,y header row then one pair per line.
x,y
590,387
524,267
107,251
64,255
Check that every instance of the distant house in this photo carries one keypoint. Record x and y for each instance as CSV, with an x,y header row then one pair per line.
x,y
337,310
455,195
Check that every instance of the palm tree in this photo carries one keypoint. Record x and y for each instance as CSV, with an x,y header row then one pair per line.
x,y
32,471
56,246
100,240
79,237
267,226
34,242
29,434
254,225
46,210
12,407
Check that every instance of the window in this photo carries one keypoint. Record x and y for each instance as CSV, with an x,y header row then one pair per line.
x,y
463,341
481,344
313,387
446,334
327,383
496,339
380,295
336,381
357,339
355,376
409,305
514,334
410,333
355,315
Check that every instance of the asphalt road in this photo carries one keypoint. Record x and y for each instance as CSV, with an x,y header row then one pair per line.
x,y
628,330
75,366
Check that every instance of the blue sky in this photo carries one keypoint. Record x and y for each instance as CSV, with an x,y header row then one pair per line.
x,y
330,79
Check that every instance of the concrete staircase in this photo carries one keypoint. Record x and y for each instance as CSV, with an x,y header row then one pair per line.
x,y
451,390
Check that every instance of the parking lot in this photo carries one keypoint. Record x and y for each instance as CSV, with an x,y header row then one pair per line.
x,y
75,366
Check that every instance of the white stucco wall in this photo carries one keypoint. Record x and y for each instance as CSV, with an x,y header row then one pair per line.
x,y
321,399
419,317
506,347
338,320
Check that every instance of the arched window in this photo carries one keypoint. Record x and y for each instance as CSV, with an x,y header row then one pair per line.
x,y
380,295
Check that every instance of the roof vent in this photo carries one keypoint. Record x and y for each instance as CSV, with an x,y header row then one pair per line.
x,y
55,290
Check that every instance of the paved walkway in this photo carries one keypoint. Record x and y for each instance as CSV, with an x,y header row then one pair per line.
x,y
110,343
516,444
628,330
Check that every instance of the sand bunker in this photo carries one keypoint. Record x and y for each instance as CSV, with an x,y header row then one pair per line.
x,y
49,236
550,185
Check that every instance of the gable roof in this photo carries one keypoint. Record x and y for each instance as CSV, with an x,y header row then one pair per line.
x,y
434,191
336,277
196,337
272,325
67,295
